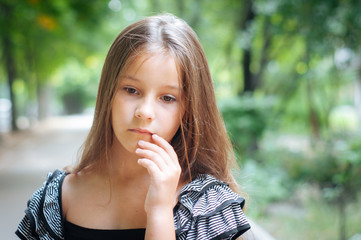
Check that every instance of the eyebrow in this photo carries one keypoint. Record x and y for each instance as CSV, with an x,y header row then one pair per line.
x,y
131,78
176,87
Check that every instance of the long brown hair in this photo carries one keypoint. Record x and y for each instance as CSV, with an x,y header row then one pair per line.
x,y
201,142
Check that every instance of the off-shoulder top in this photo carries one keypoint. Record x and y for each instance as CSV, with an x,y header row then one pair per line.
x,y
207,209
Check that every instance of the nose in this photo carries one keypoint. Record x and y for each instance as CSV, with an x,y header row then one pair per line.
x,y
145,109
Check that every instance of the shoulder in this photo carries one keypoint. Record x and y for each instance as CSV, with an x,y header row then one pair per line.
x,y
43,213
68,188
74,186
79,191
209,209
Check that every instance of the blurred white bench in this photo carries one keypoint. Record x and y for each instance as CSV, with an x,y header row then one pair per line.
x,y
256,232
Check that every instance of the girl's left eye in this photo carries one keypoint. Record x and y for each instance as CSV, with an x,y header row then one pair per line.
x,y
168,98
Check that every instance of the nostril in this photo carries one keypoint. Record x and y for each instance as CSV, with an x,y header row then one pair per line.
x,y
145,111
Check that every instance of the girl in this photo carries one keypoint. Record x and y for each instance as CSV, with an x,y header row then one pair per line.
x,y
156,163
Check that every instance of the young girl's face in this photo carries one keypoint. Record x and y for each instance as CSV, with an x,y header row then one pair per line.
x,y
148,101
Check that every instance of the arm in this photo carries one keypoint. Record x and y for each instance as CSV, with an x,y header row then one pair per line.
x,y
161,161
160,224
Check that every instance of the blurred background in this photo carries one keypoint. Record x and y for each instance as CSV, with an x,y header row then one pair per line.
x,y
287,75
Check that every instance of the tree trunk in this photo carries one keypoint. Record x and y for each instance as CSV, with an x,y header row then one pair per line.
x,y
247,74
313,117
9,63
44,97
249,85
264,53
342,213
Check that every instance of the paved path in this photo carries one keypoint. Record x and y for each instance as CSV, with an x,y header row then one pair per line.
x,y
27,157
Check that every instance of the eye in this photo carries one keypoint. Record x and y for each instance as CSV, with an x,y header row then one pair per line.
x,y
168,99
130,90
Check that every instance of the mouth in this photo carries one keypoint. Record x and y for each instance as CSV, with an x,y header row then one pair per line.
x,y
141,131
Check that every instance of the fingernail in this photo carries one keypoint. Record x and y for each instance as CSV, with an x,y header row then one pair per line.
x,y
141,142
155,135
137,150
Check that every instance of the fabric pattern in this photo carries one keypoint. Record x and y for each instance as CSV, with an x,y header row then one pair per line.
x,y
207,209
43,217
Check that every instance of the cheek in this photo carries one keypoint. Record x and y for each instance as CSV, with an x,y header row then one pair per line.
x,y
118,115
121,108
173,125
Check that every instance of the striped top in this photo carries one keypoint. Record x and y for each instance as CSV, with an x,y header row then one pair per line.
x,y
207,209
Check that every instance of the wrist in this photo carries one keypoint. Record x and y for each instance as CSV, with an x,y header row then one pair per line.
x,y
160,225
159,211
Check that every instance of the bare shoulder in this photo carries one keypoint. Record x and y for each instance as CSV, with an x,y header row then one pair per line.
x,y
70,183
75,186
68,188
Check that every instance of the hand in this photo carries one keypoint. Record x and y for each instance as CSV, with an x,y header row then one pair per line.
x,y
161,161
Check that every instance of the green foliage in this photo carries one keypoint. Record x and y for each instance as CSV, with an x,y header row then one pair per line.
x,y
74,100
334,165
337,168
245,119
264,184
76,84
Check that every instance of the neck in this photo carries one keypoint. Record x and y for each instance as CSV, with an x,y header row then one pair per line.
x,y
124,164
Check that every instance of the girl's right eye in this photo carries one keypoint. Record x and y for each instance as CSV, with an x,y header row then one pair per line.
x,y
130,90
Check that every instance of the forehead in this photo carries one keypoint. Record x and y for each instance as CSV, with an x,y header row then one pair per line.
x,y
162,66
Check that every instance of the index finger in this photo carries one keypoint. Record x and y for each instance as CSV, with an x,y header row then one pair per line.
x,y
165,145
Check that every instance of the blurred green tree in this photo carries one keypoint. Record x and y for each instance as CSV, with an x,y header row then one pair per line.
x,y
246,121
336,168
38,36
306,38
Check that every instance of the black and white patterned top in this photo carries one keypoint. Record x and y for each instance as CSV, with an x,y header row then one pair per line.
x,y
207,209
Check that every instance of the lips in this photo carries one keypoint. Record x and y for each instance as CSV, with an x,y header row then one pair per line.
x,y
141,131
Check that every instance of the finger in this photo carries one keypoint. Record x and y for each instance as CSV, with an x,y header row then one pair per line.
x,y
166,146
155,148
153,156
151,167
